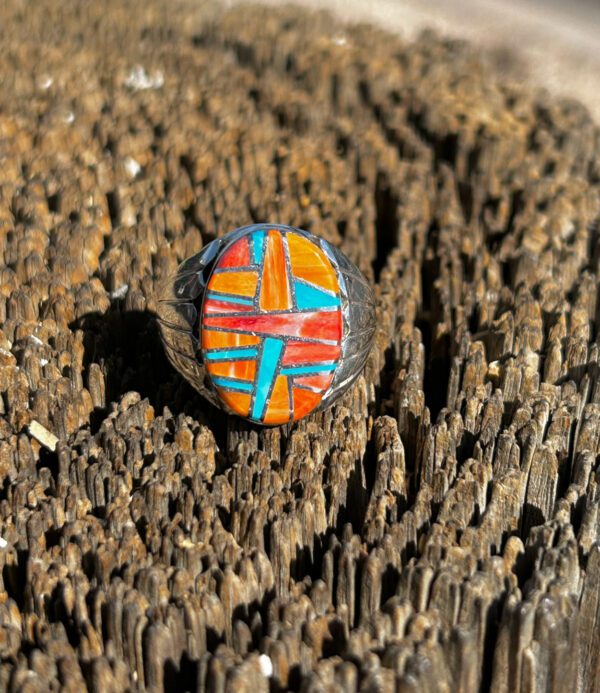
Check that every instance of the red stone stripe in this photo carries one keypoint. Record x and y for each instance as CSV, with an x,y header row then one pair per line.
x,y
213,306
302,352
319,382
236,256
315,325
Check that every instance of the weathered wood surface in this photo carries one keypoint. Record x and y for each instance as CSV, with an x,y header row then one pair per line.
x,y
438,529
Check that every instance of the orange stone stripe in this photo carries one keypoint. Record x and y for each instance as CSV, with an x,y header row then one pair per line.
x,y
237,255
278,409
239,402
211,339
244,370
304,402
310,262
275,289
237,283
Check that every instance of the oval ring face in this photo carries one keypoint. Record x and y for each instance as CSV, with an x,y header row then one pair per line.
x,y
271,324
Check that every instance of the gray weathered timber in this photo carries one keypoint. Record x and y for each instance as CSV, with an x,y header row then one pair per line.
x,y
437,529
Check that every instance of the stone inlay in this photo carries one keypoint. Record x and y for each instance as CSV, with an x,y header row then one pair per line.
x,y
272,325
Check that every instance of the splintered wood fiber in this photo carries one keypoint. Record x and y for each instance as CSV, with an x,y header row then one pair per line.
x,y
437,530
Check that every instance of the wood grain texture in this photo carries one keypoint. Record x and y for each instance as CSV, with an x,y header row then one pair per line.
x,y
437,529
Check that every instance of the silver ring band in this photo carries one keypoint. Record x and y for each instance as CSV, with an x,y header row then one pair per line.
x,y
187,304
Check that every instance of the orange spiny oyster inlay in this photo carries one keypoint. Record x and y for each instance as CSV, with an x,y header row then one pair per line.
x,y
272,325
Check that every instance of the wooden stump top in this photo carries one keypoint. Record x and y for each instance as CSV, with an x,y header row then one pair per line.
x,y
437,530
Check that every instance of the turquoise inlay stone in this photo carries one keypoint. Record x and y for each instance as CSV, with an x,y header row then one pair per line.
x,y
272,349
243,353
308,296
258,238
232,384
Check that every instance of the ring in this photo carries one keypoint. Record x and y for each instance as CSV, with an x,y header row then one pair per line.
x,y
268,322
